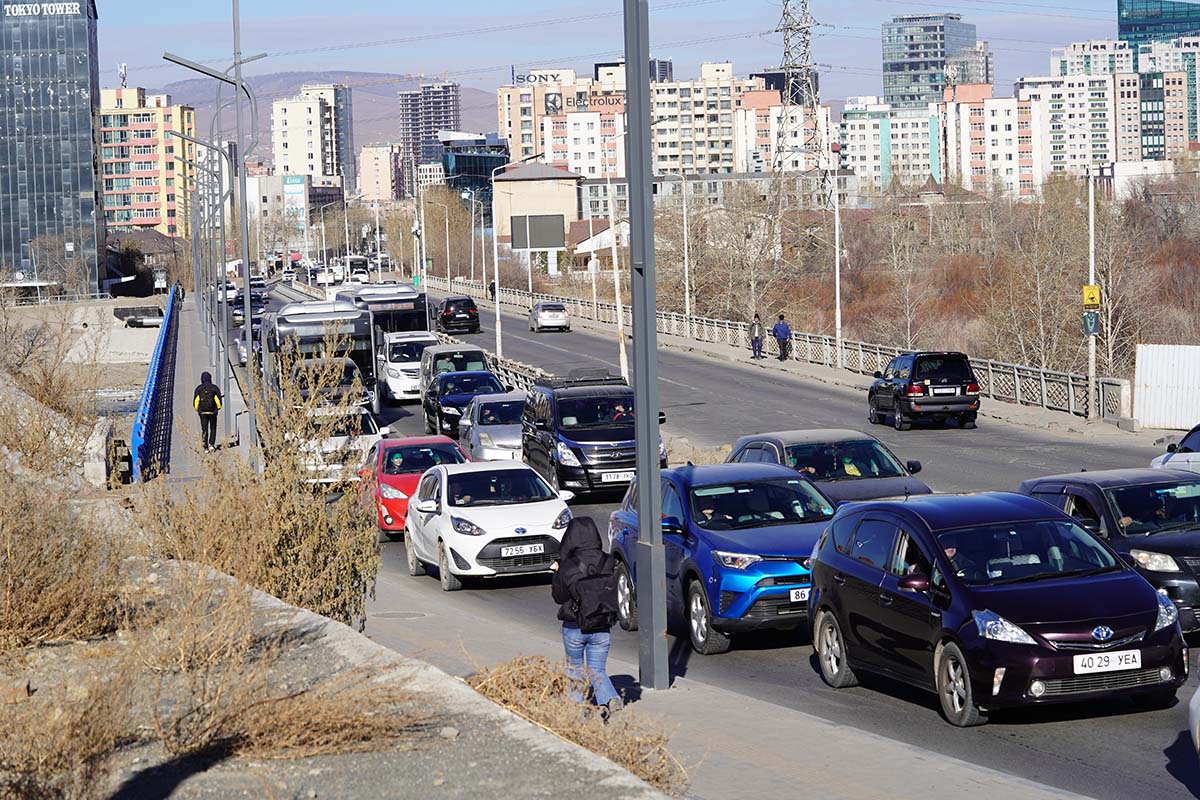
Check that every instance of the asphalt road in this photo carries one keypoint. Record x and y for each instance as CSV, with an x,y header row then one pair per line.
x,y
1106,752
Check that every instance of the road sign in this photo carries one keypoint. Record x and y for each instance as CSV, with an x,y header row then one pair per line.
x,y
1091,323
1091,297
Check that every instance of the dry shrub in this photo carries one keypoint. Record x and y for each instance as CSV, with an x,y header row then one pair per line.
x,y
538,690
682,451
59,575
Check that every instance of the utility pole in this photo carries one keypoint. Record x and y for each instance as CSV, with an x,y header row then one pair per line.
x,y
612,234
1093,399
651,555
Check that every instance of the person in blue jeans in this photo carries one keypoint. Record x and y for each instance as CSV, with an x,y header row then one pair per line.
x,y
756,338
783,335
585,590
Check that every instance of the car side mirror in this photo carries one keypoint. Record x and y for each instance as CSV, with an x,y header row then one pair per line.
x,y
662,417
509,388
565,495
428,507
913,467
1172,448
913,583
672,525
878,374
1089,525
541,425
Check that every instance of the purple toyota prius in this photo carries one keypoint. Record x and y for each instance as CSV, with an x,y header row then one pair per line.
x,y
991,601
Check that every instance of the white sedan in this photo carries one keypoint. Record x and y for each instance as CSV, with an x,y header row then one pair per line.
x,y
483,520
346,436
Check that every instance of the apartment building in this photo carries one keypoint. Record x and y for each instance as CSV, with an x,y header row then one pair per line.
x,y
588,143
915,52
144,185
1097,57
380,173
1078,114
1151,115
312,134
883,144
424,111
994,142
694,125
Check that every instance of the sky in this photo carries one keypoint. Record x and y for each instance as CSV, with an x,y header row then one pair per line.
x,y
478,42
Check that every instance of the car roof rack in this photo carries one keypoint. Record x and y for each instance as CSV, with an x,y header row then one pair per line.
x,y
587,376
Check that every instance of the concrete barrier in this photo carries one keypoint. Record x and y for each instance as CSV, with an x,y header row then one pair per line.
x,y
96,463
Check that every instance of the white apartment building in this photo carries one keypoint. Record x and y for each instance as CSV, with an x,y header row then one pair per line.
x,y
588,143
883,144
1078,114
1097,57
756,135
995,143
694,120
312,134
430,174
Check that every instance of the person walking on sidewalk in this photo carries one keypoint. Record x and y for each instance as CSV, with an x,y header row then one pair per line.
x,y
492,290
756,338
783,335
207,402
585,588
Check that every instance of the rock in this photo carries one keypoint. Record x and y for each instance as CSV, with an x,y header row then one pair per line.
x,y
314,772
449,733
152,578
18,692
438,781
311,793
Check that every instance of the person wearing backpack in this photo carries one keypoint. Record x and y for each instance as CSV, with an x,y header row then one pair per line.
x,y
585,588
207,402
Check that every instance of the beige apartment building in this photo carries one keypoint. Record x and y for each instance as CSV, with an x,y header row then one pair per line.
x,y
312,134
144,184
380,172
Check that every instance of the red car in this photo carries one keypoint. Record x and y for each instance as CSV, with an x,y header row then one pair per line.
x,y
392,471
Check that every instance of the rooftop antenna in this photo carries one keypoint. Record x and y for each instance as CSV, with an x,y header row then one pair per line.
x,y
123,72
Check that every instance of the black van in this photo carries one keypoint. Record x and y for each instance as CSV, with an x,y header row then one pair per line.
x,y
457,314
577,432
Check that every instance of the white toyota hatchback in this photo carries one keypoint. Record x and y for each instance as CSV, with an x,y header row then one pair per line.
x,y
483,520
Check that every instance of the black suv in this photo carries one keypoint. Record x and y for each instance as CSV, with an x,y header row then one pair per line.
x,y
934,386
457,314
578,433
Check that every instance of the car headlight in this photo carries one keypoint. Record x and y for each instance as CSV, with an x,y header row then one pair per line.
x,y
995,627
485,439
566,456
1154,562
466,527
735,560
1167,613
563,520
393,373
451,410
391,493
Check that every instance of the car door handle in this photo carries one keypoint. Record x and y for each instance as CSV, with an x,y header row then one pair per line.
x,y
840,580
885,598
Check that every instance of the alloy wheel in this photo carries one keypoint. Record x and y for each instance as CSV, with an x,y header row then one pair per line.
x,y
954,688
624,593
698,618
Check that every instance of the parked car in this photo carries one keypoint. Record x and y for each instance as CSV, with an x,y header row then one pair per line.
x,y
577,432
1185,455
392,470
924,386
400,363
738,538
489,519
549,315
1150,516
845,464
490,428
457,313
448,394
337,456
990,601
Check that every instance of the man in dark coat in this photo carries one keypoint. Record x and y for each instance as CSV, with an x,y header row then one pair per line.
x,y
207,401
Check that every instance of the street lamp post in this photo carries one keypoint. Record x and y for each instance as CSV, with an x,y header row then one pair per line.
x,y
687,286
1093,400
496,248
446,209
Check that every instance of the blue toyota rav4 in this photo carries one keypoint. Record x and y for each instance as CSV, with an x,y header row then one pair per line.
x,y
738,538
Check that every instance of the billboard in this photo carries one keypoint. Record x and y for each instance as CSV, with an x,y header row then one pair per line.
x,y
546,232
295,200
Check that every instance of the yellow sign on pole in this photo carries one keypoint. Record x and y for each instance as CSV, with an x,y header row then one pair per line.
x,y
1091,298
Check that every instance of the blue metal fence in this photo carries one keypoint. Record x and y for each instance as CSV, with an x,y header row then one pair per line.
x,y
151,442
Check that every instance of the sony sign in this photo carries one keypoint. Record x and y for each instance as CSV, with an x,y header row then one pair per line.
x,y
544,77
41,9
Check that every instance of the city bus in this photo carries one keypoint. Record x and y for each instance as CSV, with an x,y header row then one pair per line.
x,y
394,308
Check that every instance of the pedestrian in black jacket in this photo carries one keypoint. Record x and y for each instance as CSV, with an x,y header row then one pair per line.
x,y
207,402
585,589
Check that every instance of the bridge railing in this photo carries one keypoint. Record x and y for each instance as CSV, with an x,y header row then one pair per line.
x,y
998,380
150,444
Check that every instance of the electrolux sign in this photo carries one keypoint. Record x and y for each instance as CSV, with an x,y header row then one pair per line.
x,y
583,102
42,9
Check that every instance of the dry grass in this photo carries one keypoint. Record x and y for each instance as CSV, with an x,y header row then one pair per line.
x,y
682,451
536,689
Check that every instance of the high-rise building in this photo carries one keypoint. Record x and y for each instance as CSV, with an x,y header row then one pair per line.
x,y
51,217
994,142
312,134
1143,21
1152,115
468,160
1098,57
883,145
1076,113
424,111
380,172
916,48
145,185
975,66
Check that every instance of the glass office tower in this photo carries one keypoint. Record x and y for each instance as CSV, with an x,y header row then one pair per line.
x,y
915,50
51,223
1142,21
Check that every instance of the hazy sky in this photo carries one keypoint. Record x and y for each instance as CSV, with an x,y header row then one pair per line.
x,y
476,41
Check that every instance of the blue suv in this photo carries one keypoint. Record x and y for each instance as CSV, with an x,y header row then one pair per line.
x,y
738,539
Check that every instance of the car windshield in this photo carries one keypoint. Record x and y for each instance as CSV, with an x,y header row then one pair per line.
x,y
596,412
308,377
949,368
837,461
416,458
1024,551
758,504
471,384
459,362
508,413
502,487
400,352
353,425
1154,507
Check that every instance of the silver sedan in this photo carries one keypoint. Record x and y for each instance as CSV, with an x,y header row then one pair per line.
x,y
549,315
490,428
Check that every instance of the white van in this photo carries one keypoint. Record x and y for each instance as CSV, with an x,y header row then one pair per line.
x,y
400,363
451,358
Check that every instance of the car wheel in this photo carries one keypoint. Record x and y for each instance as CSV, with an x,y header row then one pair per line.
x,y
873,411
831,653
705,639
430,426
627,611
415,567
966,423
899,421
449,581
954,689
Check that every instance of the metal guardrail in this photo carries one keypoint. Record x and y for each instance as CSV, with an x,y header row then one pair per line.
x,y
1013,383
150,444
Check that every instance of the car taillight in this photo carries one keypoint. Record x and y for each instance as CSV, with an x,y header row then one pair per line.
x,y
972,388
914,390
